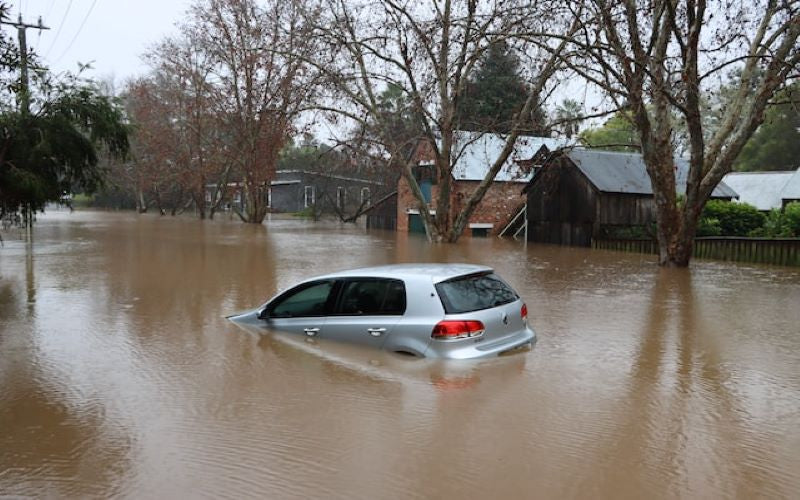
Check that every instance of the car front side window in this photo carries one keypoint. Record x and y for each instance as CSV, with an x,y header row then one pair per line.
x,y
370,297
308,300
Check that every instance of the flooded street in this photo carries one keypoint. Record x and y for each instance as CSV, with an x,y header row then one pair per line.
x,y
120,376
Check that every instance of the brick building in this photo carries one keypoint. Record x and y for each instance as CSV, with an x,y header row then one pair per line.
x,y
475,153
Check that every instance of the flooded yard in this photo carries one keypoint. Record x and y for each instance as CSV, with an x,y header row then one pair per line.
x,y
119,375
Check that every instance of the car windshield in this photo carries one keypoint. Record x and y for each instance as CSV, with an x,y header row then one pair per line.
x,y
474,293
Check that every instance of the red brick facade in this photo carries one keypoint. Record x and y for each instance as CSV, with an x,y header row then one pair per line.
x,y
502,201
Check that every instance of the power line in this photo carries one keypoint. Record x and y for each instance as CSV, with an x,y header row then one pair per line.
x,y
83,23
23,96
58,31
50,9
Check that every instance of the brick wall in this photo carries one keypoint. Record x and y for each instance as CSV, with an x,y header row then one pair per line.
x,y
499,205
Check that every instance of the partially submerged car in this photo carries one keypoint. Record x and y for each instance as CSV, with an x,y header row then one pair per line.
x,y
455,311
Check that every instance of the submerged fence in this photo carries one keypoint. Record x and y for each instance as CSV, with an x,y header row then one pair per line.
x,y
782,252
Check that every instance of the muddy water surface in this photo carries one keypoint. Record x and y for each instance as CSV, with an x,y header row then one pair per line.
x,y
119,375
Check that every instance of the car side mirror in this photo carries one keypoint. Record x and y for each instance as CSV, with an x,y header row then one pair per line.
x,y
264,314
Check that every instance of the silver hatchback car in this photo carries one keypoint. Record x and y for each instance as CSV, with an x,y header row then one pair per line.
x,y
455,311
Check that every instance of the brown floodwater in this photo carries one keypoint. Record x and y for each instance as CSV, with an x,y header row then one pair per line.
x,y
119,375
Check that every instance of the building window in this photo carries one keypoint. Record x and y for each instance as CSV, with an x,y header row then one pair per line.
x,y
309,197
365,197
340,194
269,197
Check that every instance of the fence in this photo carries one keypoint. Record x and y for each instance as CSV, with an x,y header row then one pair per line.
x,y
782,252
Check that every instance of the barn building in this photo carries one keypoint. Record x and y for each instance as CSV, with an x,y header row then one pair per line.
x,y
580,194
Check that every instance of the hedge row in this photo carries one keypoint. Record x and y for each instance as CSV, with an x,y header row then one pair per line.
x,y
722,218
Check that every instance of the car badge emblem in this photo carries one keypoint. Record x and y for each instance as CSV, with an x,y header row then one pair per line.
x,y
505,318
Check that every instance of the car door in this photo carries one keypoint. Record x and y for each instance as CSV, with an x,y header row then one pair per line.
x,y
302,309
366,311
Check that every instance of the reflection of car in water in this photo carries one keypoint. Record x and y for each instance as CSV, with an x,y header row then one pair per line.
x,y
455,311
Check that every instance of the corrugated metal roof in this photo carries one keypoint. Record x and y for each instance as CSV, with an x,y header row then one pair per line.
x,y
615,172
792,189
760,189
481,150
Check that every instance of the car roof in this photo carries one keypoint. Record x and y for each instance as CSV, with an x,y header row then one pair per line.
x,y
436,272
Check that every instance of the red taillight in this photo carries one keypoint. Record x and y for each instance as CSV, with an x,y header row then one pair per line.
x,y
449,330
524,312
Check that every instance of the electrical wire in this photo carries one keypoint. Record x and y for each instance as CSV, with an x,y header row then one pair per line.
x,y
50,9
83,23
58,31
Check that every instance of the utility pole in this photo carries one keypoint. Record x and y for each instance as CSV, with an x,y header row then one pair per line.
x,y
24,98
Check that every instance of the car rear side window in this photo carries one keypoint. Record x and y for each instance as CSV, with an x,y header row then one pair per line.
x,y
474,293
369,297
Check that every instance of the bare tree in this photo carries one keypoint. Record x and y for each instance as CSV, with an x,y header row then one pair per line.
x,y
427,51
659,58
153,174
184,70
260,83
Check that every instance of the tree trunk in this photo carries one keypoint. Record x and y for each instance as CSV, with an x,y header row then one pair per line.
x,y
200,203
256,209
141,204
676,232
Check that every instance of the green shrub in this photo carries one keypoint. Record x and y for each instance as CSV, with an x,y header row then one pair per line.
x,y
734,219
791,219
709,226
780,224
628,232
306,212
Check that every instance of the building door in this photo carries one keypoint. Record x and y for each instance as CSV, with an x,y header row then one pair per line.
x,y
415,224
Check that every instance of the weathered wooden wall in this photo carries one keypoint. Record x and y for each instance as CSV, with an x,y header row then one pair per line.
x,y
782,252
622,209
561,206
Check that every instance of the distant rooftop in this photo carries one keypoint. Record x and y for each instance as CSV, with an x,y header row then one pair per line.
x,y
763,190
792,189
479,151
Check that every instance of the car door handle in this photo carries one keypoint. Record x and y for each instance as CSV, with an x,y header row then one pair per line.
x,y
311,331
376,332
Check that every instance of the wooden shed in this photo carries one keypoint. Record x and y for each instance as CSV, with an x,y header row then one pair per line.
x,y
580,194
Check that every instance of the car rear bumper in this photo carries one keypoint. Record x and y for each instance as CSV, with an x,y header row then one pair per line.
x,y
479,348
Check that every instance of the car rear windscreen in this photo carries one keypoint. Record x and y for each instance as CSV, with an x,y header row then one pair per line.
x,y
474,293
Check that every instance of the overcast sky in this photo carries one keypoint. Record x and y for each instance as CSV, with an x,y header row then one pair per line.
x,y
112,34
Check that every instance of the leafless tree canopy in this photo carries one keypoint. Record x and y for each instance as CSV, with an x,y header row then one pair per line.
x,y
427,50
657,58
223,98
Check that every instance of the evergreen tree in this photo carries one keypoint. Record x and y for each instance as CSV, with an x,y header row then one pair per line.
x,y
50,149
53,151
776,143
495,92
